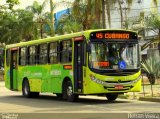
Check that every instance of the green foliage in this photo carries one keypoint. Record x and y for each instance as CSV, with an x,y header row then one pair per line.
x,y
16,25
8,26
12,3
153,21
67,24
23,24
84,15
152,66
41,18
153,24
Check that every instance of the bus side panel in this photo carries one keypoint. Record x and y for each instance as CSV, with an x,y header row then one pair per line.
x,y
21,75
45,78
15,79
33,74
58,74
7,77
7,70
56,78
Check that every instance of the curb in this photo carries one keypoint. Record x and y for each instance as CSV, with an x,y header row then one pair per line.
x,y
150,99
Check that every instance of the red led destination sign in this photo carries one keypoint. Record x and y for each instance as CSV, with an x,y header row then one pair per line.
x,y
113,35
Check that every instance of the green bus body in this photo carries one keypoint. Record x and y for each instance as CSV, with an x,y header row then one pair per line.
x,y
50,77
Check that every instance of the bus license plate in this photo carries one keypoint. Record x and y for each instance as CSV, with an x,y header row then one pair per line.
x,y
119,87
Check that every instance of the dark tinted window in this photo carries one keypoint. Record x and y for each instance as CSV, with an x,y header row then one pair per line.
x,y
43,54
22,56
32,55
53,52
8,56
66,51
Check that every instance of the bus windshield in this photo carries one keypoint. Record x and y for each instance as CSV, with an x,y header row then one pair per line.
x,y
113,56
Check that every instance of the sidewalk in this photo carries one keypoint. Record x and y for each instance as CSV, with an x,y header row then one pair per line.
x,y
141,98
148,92
1,76
150,99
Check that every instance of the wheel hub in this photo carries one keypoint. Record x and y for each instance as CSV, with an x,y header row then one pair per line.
x,y
26,90
69,91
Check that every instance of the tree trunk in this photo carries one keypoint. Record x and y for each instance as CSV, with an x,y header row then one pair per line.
x,y
103,14
121,12
151,78
41,30
97,7
108,12
52,17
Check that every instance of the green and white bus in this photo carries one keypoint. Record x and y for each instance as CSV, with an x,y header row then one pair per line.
x,y
92,62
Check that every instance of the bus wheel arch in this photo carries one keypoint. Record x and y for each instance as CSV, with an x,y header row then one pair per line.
x,y
67,90
26,89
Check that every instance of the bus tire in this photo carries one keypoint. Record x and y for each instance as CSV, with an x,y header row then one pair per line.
x,y
68,92
26,89
111,96
35,94
59,95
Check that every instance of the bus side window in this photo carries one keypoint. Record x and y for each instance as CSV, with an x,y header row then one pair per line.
x,y
43,53
1,58
32,55
66,51
53,52
22,56
8,55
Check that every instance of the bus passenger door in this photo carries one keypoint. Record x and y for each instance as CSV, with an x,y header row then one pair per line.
x,y
13,69
78,64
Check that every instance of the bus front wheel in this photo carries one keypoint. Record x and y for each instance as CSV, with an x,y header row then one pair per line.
x,y
59,95
111,97
26,90
68,92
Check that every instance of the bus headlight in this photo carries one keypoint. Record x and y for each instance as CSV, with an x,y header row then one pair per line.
x,y
93,78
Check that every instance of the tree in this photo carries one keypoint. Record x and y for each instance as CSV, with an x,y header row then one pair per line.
x,y
153,23
52,18
26,26
84,15
152,68
10,3
16,25
68,24
40,18
152,65
110,3
103,14
8,25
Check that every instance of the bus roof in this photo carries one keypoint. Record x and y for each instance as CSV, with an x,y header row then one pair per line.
x,y
60,37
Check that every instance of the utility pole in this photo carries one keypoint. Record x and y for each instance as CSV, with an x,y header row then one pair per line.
x,y
52,17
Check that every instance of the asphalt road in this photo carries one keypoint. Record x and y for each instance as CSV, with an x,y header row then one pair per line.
x,y
88,107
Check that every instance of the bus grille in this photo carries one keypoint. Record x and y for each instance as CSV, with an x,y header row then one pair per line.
x,y
114,89
118,81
